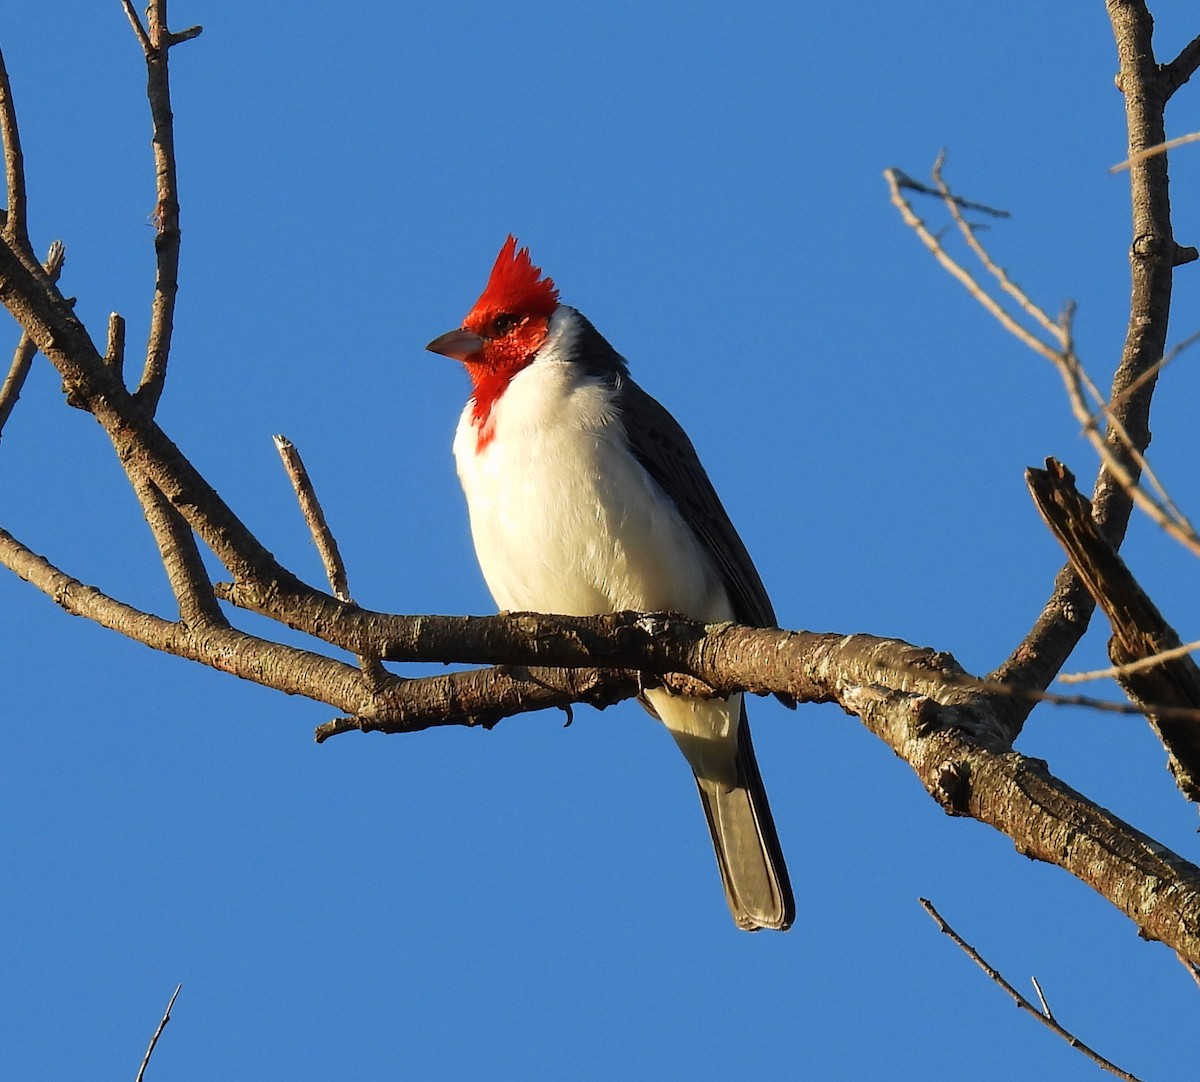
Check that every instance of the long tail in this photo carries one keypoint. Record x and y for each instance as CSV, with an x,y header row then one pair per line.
x,y
753,870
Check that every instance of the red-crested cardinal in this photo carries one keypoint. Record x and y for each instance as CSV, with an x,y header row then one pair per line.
x,y
585,497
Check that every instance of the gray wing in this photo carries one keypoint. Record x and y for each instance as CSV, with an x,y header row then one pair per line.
x,y
666,453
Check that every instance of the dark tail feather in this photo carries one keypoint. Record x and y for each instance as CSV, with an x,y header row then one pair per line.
x,y
753,870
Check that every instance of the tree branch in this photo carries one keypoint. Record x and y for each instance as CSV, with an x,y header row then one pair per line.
x,y
24,353
1154,254
156,44
158,1033
1139,629
52,324
15,225
1182,68
1044,1016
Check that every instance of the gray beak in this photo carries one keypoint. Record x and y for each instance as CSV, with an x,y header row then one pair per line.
x,y
461,344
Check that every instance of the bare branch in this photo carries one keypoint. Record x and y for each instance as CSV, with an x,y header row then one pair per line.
x,y
907,183
322,535
1046,1018
956,269
314,516
138,28
157,1033
58,333
15,226
1154,254
25,351
484,697
1052,327
273,665
114,353
189,579
1139,629
1182,68
1121,458
156,41
1042,998
1154,369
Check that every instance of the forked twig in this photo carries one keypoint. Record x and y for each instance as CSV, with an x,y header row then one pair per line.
x,y
954,205
896,182
1061,352
157,1033
1045,1017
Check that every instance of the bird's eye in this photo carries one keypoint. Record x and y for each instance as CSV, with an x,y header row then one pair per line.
x,y
504,323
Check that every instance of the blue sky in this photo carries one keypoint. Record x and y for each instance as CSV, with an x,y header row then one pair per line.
x,y
538,902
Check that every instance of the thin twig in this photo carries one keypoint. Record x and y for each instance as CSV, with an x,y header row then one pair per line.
x,y
1050,698
157,1033
1076,376
179,553
26,349
1158,148
1142,663
1155,368
954,205
335,568
896,180
1042,998
1047,1019
138,28
314,517
1191,967
903,180
1162,510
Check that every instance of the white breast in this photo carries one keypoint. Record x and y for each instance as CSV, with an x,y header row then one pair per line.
x,y
564,517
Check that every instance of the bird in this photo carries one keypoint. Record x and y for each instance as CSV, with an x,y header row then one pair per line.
x,y
585,496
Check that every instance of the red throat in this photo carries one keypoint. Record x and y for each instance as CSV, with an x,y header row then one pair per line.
x,y
512,316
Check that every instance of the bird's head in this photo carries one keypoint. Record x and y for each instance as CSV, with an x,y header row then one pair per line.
x,y
507,325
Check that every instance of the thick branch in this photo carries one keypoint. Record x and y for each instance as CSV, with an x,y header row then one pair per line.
x,y
485,697
913,699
